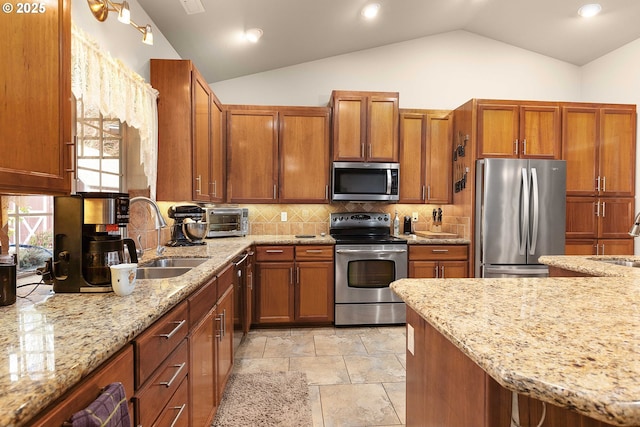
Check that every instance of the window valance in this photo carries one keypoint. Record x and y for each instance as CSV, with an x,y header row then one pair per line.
x,y
118,92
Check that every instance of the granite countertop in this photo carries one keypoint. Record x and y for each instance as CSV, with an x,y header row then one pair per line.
x,y
570,341
51,341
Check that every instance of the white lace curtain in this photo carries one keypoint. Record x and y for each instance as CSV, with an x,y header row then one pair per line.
x,y
118,92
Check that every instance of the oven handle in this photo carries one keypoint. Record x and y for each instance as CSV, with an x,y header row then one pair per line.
x,y
368,251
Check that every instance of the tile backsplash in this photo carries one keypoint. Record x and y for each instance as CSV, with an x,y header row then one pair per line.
x,y
265,219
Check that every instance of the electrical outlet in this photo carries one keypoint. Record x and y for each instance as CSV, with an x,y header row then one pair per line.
x,y
414,217
283,216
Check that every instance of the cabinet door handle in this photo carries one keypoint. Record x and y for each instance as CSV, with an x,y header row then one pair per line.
x,y
219,330
175,375
72,156
597,205
291,282
515,143
362,150
436,271
423,192
224,322
199,181
370,150
428,192
326,191
602,250
604,184
275,251
439,251
215,188
298,275
172,333
524,147
442,271
275,191
180,409
604,212
598,183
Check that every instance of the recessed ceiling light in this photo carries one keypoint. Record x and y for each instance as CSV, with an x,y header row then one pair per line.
x,y
253,35
370,11
589,10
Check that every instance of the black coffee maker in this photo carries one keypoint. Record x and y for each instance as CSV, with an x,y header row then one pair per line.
x,y
88,230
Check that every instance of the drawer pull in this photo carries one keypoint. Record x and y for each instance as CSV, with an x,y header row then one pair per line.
x,y
172,333
177,417
440,251
274,251
173,378
314,251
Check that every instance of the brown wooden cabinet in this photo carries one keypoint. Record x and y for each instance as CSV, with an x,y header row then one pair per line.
x,y
438,261
365,126
599,146
425,156
278,154
162,363
119,368
294,284
190,152
518,129
224,334
35,88
599,225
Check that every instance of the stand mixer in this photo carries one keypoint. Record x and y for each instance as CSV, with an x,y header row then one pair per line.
x,y
189,227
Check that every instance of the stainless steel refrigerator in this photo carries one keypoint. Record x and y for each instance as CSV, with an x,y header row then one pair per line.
x,y
520,215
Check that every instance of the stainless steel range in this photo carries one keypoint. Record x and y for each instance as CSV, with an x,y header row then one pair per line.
x,y
367,259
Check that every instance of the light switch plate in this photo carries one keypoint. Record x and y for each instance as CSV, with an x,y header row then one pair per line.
x,y
283,216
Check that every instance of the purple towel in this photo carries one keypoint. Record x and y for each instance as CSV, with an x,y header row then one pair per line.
x,y
110,409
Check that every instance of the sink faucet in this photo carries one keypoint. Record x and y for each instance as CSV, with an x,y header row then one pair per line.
x,y
160,222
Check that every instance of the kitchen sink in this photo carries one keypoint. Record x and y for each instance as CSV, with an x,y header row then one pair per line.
x,y
623,262
175,262
160,272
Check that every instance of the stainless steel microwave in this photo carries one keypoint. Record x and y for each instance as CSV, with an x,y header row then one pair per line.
x,y
358,181
227,221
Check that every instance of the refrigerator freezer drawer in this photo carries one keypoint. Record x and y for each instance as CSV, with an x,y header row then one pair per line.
x,y
502,271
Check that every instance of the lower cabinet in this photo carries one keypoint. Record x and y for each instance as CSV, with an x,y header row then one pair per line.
x,y
119,368
224,331
438,261
446,388
161,365
294,284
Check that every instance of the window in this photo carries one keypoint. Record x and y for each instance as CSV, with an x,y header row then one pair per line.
x,y
99,159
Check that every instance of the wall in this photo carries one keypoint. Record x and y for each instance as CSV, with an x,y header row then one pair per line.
x,y
615,77
441,71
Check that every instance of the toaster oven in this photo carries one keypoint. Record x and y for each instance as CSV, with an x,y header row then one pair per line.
x,y
227,221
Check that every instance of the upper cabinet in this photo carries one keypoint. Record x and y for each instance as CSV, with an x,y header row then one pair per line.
x,y
600,149
519,129
35,89
190,149
365,126
425,156
278,154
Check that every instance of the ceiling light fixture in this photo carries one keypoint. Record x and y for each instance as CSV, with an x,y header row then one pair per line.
x,y
101,8
253,35
370,11
589,10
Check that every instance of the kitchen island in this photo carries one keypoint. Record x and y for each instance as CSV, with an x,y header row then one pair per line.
x,y
572,342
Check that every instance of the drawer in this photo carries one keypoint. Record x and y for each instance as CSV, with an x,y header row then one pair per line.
x,y
162,386
201,301
438,252
225,280
274,253
158,341
176,413
314,252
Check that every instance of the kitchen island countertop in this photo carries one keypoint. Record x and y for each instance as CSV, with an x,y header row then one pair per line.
x,y
571,341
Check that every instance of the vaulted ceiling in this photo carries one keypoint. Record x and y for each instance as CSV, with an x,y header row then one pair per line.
x,y
297,31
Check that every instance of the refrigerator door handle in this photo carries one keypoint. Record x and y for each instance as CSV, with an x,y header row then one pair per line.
x,y
536,211
524,213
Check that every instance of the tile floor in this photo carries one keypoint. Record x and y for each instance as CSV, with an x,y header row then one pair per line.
x,y
356,375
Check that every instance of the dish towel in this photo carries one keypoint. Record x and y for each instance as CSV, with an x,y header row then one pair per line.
x,y
110,409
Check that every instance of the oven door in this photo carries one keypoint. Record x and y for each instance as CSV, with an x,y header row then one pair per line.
x,y
364,272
